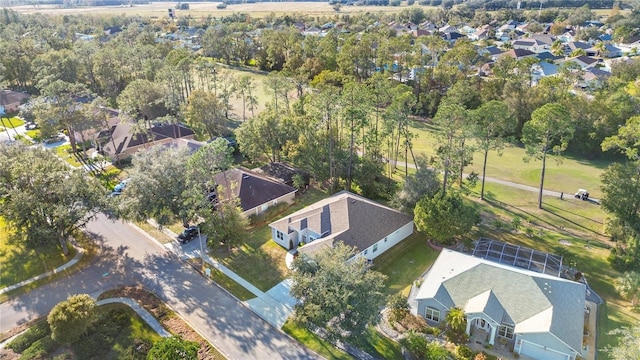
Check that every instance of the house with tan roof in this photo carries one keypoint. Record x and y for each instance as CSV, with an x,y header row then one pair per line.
x,y
371,228
539,315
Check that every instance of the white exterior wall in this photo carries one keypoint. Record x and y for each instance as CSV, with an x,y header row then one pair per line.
x,y
288,198
388,242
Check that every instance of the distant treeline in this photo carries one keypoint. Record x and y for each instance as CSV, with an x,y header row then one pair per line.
x,y
474,4
490,4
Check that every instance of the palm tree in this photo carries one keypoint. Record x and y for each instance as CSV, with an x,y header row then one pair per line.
x,y
601,47
629,286
557,48
578,52
456,319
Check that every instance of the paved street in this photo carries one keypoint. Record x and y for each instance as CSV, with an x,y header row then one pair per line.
x,y
130,258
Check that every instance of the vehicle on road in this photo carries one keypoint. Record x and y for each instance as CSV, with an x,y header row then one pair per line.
x,y
582,194
188,234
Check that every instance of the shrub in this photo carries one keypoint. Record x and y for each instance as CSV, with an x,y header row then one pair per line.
x,y
39,349
33,334
399,307
464,352
414,323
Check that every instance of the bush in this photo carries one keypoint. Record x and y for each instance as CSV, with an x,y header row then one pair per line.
x,y
33,334
40,348
415,323
464,352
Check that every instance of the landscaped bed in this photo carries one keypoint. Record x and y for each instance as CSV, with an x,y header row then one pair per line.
x,y
118,333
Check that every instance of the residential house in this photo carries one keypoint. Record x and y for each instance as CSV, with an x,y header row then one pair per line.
x,y
583,61
256,192
593,77
541,70
518,54
629,45
611,51
122,141
530,44
284,173
548,57
369,227
579,45
10,100
482,33
536,315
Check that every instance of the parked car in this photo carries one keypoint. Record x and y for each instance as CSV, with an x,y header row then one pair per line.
x,y
120,187
188,234
55,138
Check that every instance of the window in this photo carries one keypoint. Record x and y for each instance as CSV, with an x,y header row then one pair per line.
x,y
366,251
505,331
433,314
375,247
280,235
385,239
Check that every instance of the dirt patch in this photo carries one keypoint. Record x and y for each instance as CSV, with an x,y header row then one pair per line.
x,y
173,323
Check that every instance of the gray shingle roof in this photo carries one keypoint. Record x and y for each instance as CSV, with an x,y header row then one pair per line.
x,y
534,302
346,217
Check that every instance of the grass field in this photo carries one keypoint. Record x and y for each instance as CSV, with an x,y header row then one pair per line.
x,y
20,263
567,175
197,10
11,122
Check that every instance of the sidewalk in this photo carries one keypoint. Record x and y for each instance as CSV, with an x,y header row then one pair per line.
x,y
79,253
274,306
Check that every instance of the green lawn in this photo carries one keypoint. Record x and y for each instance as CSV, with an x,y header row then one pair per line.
x,y
34,134
259,259
566,176
65,153
118,333
405,262
314,342
20,263
11,122
226,282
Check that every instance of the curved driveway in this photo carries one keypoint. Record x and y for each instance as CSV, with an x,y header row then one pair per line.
x,y
129,258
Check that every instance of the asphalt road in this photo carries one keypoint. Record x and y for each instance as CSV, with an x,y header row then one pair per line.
x,y
130,258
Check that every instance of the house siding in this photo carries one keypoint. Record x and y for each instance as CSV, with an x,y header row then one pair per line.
x,y
391,240
288,198
547,341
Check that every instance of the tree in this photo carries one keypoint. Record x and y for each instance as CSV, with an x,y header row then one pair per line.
x,y
157,186
45,202
444,216
205,113
629,286
337,291
490,124
174,348
246,91
424,183
628,344
227,225
71,318
549,130
453,121
457,323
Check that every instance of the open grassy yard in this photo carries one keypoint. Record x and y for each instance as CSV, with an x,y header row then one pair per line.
x,y
20,263
65,153
259,259
405,262
567,175
11,122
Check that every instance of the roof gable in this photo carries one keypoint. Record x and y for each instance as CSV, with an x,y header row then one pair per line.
x,y
250,188
346,217
533,302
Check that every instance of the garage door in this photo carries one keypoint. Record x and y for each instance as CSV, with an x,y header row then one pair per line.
x,y
540,353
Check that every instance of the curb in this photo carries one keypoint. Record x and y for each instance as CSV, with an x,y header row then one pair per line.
x,y
144,314
79,253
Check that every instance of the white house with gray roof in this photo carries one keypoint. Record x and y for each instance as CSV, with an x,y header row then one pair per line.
x,y
540,315
356,221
